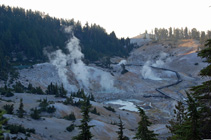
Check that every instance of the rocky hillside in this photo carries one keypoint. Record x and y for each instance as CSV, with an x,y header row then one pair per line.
x,y
111,86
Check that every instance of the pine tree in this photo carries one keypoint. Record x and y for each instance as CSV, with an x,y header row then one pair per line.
x,y
9,108
175,126
170,33
192,120
85,133
2,121
30,88
203,92
186,125
62,92
143,132
186,33
20,110
35,114
43,105
121,127
91,97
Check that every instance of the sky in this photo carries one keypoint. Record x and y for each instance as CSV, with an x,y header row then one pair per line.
x,y
127,18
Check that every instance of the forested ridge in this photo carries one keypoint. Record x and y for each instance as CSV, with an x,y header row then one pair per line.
x,y
175,34
25,33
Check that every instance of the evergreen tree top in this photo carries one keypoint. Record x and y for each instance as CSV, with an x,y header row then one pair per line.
x,y
85,133
121,128
143,132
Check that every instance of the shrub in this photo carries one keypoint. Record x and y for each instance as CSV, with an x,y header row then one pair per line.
x,y
9,94
9,108
70,128
43,105
39,91
69,100
15,129
35,114
6,91
70,117
94,111
56,90
91,97
18,87
51,109
110,108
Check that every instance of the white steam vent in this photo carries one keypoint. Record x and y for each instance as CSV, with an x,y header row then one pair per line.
x,y
86,77
147,72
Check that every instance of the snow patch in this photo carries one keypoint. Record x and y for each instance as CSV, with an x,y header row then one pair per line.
x,y
125,105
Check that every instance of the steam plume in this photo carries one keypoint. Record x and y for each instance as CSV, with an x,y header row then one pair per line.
x,y
147,71
83,74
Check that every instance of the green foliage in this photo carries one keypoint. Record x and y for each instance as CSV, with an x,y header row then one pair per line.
x,y
28,42
91,97
56,90
51,109
15,129
85,133
110,108
43,105
18,87
9,94
38,90
2,122
35,114
192,120
78,103
13,75
34,90
206,53
143,132
20,110
121,128
69,100
203,93
70,128
175,34
94,111
6,91
9,108
70,117
96,43
29,88
24,34
80,93
175,126
52,89
187,123
61,92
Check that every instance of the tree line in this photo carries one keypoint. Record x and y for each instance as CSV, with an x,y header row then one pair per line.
x,y
175,34
25,33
